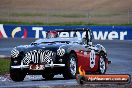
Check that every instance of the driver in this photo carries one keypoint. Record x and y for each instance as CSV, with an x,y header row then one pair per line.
x,y
52,34
88,40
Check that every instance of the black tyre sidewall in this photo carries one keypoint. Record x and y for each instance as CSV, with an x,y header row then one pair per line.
x,y
99,64
48,76
67,73
17,75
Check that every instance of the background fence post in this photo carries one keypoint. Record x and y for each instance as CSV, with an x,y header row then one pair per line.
x,y
129,14
88,20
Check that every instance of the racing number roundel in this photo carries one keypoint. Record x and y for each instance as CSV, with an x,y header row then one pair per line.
x,y
92,58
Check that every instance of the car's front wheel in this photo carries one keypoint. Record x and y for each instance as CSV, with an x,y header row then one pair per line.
x,y
48,76
71,67
17,75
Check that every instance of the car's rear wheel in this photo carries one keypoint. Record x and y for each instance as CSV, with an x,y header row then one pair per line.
x,y
48,76
102,65
71,67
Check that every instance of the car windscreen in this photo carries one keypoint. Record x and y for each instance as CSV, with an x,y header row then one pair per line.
x,y
58,40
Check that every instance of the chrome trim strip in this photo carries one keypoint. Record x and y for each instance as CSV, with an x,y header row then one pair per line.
x,y
47,65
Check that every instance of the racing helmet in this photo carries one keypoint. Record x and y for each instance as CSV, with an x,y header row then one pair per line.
x,y
52,34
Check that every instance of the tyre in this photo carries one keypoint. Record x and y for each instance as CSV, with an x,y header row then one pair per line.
x,y
48,76
17,75
71,67
102,64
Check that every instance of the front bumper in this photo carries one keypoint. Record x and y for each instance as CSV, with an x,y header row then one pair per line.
x,y
51,65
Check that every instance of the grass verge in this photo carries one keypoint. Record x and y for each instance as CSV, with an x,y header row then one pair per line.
x,y
62,23
49,15
4,66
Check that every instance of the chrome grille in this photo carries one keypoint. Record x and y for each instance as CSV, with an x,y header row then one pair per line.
x,y
38,56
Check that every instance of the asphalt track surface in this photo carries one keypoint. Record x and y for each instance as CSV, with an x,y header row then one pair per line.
x,y
119,52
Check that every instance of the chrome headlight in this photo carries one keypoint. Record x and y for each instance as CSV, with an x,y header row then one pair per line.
x,y
14,53
60,51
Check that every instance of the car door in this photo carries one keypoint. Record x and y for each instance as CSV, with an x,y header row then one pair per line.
x,y
93,59
83,57
87,59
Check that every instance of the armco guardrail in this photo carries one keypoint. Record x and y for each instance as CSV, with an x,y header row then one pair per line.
x,y
99,32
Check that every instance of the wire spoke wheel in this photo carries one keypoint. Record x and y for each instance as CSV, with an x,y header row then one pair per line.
x,y
73,65
102,66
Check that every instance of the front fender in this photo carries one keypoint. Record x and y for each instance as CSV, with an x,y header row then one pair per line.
x,y
100,48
